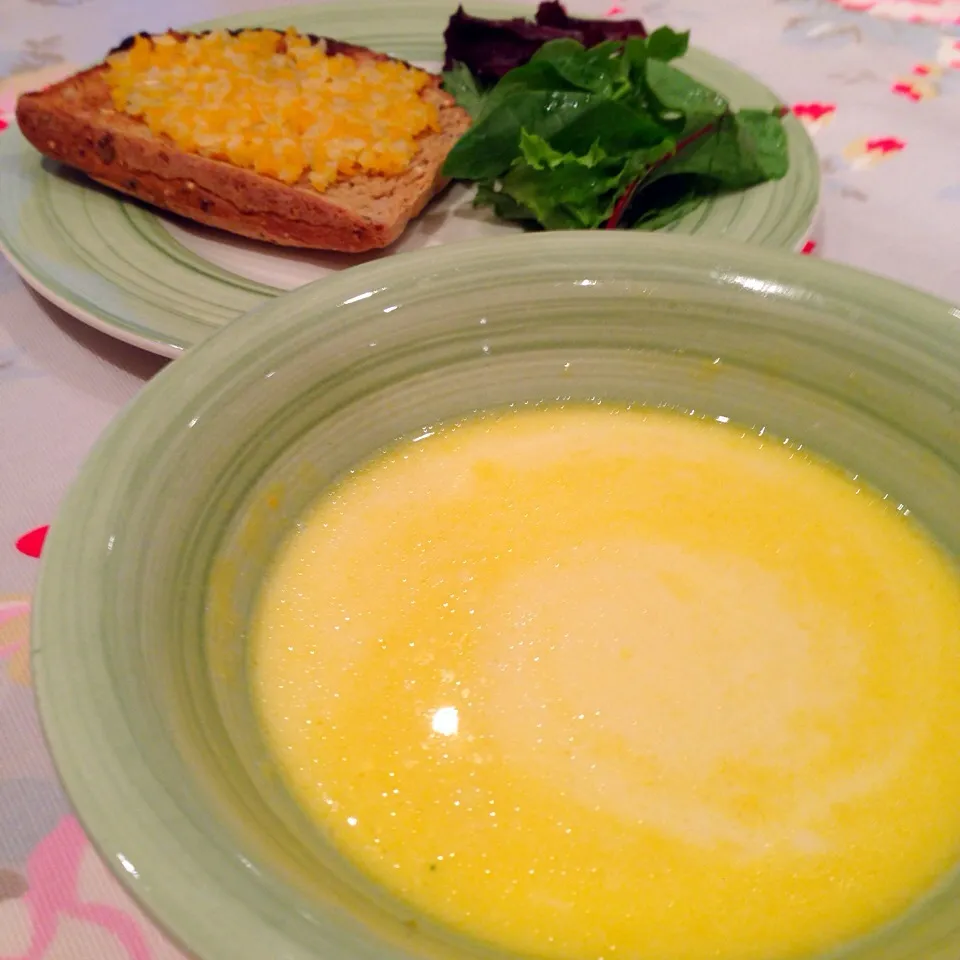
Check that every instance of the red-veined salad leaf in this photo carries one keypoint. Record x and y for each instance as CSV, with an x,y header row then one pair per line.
x,y
489,49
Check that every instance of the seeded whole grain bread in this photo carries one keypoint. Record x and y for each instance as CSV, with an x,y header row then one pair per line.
x,y
75,122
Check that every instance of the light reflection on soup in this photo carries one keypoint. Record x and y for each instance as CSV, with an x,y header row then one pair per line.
x,y
592,682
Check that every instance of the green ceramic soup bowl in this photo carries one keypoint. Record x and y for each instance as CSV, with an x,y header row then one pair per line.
x,y
154,561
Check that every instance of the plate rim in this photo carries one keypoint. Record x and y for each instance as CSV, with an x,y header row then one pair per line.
x,y
158,347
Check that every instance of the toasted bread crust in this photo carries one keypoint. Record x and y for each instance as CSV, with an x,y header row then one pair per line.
x,y
75,123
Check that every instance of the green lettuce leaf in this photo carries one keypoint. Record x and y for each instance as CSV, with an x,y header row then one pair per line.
x,y
488,149
665,202
561,191
601,69
461,85
739,150
679,92
576,134
666,44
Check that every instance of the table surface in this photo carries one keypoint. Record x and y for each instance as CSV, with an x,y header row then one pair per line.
x,y
876,81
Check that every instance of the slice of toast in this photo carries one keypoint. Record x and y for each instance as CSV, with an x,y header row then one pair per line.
x,y
75,122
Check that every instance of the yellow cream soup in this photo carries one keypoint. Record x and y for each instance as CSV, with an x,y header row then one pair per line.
x,y
596,683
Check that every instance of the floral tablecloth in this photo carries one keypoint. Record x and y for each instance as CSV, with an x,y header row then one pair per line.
x,y
876,81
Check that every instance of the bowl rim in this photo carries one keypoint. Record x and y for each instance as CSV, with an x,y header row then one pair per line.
x,y
89,771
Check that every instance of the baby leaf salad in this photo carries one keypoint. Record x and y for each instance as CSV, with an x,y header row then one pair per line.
x,y
580,135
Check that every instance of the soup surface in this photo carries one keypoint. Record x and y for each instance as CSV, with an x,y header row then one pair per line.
x,y
592,683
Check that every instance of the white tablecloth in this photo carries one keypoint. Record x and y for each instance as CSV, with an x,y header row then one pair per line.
x,y
878,82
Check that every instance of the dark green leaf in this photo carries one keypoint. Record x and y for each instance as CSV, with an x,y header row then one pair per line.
x,y
461,85
489,147
644,98
635,58
535,75
620,129
666,201
762,134
601,69
561,49
502,204
677,91
734,152
666,44
539,77
739,151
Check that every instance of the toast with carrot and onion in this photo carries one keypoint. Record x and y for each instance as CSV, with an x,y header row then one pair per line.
x,y
280,136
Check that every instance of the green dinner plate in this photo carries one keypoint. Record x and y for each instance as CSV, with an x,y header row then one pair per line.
x,y
166,285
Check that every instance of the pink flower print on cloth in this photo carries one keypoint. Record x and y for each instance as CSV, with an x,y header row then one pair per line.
x,y
931,78
73,907
8,107
15,639
939,12
867,152
814,116
948,53
921,85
